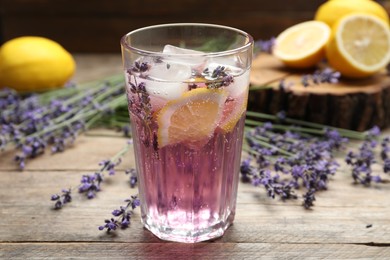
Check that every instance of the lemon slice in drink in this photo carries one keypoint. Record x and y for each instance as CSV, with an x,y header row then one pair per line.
x,y
232,112
192,118
360,46
302,45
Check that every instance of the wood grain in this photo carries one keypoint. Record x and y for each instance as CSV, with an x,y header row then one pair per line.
x,y
348,221
352,104
188,251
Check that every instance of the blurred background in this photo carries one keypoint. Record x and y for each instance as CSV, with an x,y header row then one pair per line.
x,y
97,25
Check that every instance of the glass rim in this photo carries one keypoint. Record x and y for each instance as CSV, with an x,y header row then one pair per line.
x,y
249,42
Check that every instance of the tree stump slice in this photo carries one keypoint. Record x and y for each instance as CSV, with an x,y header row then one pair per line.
x,y
351,104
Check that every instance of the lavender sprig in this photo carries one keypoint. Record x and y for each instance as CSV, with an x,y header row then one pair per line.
x,y
122,216
288,155
139,102
305,162
66,198
303,153
326,75
55,118
90,184
319,77
133,177
361,161
217,78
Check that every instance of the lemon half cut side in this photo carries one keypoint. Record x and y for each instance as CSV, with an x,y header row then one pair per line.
x,y
360,46
302,45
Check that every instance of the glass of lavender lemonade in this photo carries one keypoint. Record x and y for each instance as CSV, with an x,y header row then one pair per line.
x,y
187,89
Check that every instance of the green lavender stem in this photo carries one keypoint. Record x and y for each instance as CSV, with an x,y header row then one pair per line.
x,y
306,127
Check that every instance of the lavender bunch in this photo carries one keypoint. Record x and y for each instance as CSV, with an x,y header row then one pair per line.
x,y
304,162
287,155
54,119
122,215
90,184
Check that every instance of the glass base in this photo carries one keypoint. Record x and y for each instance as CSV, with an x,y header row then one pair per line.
x,y
189,236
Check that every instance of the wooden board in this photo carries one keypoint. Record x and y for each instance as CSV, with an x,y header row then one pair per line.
x,y
336,228
353,104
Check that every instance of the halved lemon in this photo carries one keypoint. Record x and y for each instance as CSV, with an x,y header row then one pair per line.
x,y
192,118
302,45
360,46
331,11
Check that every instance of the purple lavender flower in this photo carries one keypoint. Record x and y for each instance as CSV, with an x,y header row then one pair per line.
x,y
218,78
265,45
385,148
66,198
133,177
335,139
140,67
375,131
361,163
326,75
308,162
386,166
126,130
122,215
309,198
90,184
110,224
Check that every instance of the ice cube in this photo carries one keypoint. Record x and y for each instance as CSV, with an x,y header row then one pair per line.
x,y
233,61
169,72
230,69
240,77
239,85
177,50
193,58
164,89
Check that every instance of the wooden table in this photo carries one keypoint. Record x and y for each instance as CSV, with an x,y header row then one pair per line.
x,y
347,222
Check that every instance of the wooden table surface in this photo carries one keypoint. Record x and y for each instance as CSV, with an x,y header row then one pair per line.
x,y
347,222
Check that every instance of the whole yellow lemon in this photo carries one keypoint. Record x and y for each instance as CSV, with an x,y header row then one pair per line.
x,y
32,63
333,10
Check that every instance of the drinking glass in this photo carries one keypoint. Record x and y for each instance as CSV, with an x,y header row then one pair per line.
x,y
187,90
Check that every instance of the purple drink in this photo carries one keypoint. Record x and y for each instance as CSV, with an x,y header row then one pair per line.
x,y
187,114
